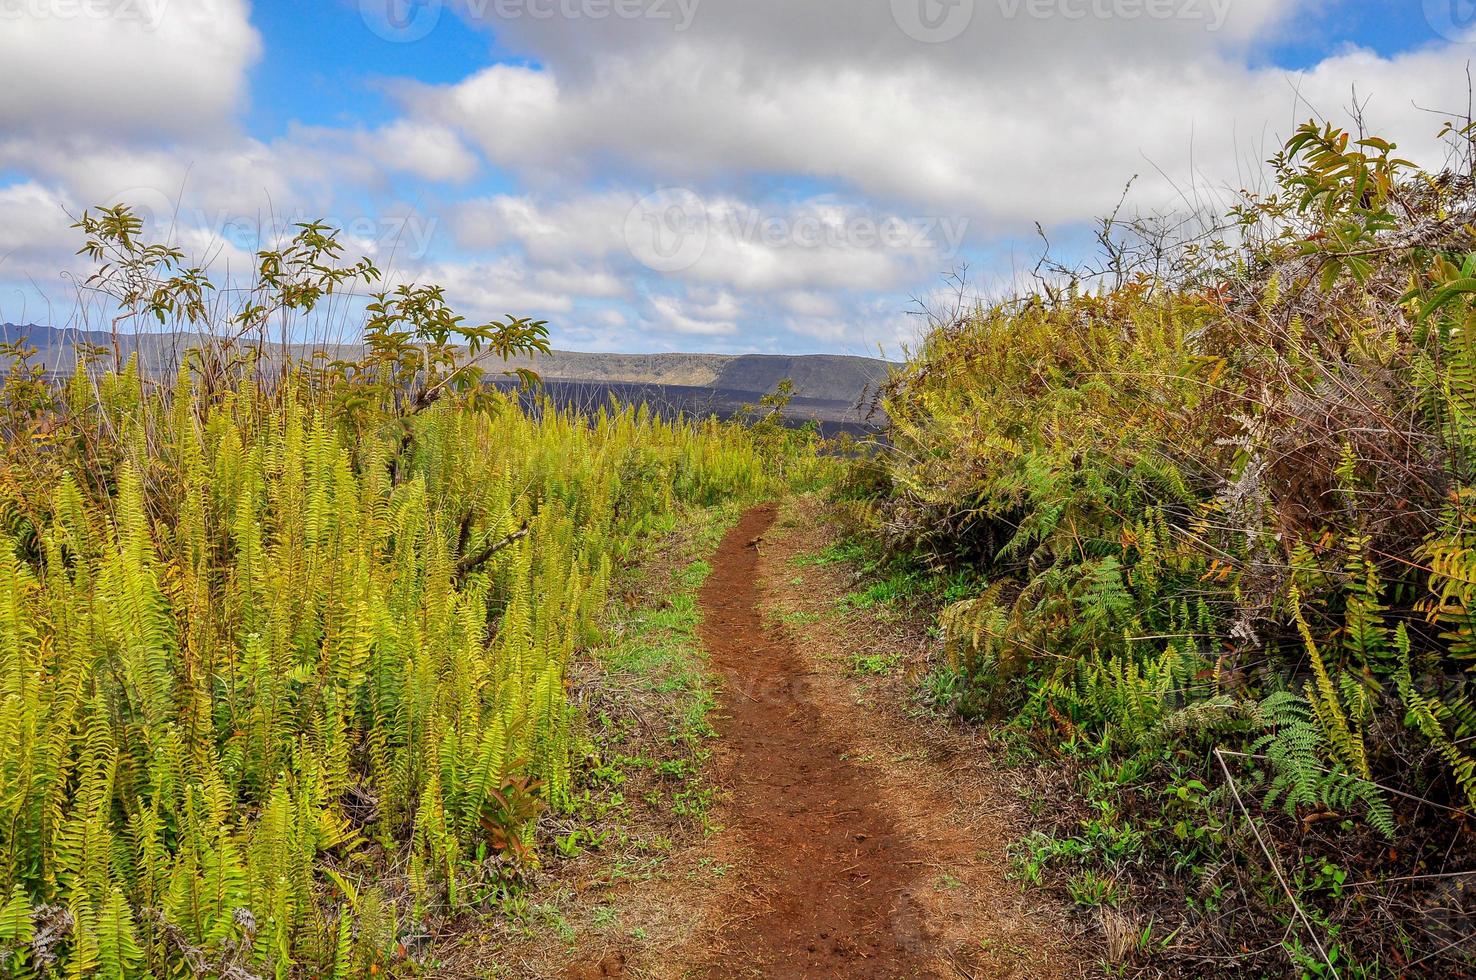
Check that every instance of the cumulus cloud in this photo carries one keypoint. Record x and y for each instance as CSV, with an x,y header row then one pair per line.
x,y
235,175
764,245
435,153
1020,118
837,34
672,313
808,303
130,68
596,283
573,225
36,241
491,289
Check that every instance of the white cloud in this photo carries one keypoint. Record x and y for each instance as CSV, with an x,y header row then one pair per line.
x,y
671,313
809,303
754,246
831,34
488,290
595,283
1019,120
864,326
578,225
235,175
715,305
130,68
435,153
36,241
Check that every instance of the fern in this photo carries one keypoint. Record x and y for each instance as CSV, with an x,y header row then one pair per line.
x,y
118,952
1294,749
1298,754
1344,741
16,931
257,642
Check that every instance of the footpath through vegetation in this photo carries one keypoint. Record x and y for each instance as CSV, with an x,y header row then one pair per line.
x,y
832,868
1157,600
847,835
829,872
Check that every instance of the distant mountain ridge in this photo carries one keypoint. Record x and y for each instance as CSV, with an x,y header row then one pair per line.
x,y
836,388
827,377
56,347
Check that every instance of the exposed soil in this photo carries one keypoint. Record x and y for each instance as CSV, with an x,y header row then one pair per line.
x,y
839,876
831,880
856,838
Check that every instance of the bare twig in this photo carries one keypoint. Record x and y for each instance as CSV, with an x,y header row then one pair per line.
x,y
1275,864
470,563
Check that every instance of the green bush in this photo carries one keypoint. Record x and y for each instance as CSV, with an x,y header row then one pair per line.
x,y
1193,493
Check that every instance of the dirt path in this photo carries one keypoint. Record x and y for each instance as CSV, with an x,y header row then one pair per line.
x,y
849,868
833,869
853,837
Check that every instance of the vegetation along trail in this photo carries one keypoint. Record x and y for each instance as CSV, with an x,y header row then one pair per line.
x,y
834,879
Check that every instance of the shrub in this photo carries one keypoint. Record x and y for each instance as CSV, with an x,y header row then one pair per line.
x,y
1227,504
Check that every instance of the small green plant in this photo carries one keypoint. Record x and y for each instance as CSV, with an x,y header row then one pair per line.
x,y
875,664
1037,851
1089,889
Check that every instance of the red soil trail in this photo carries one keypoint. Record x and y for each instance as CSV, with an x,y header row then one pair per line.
x,y
829,875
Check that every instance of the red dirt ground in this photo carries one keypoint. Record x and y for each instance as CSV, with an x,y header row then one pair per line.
x,y
856,840
837,868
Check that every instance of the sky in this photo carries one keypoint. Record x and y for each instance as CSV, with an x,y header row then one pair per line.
x,y
786,176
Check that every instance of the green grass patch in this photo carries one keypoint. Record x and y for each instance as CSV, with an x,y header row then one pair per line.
x,y
850,551
656,649
875,664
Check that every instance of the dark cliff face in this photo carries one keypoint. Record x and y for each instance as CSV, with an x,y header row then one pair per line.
x,y
828,388
828,377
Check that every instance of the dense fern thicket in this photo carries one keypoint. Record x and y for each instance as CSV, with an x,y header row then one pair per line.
x,y
283,657
1229,507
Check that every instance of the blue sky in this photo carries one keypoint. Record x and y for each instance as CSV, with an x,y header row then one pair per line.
x,y
1316,31
725,175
